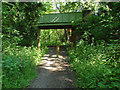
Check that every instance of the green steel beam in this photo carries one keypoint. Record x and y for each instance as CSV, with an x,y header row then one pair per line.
x,y
58,19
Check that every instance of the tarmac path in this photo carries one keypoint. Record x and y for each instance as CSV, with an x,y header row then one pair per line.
x,y
54,72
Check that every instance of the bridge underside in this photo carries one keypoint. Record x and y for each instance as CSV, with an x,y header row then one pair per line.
x,y
55,27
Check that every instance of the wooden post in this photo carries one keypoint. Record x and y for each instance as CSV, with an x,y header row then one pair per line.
x,y
39,44
71,38
57,51
70,32
74,38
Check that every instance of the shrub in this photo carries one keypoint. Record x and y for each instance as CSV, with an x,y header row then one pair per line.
x,y
19,66
95,67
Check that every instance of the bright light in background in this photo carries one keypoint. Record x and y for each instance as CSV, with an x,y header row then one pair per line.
x,y
54,6
56,1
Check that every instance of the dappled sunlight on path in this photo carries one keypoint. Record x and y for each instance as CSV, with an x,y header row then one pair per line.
x,y
53,72
54,64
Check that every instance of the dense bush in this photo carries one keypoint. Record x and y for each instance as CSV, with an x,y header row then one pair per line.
x,y
96,57
103,25
19,66
19,19
96,66
19,24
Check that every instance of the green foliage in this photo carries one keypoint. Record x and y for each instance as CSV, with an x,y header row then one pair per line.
x,y
75,6
19,66
52,37
69,6
20,21
94,65
97,63
19,27
102,24
48,7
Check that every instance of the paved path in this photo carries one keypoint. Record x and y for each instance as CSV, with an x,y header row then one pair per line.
x,y
54,72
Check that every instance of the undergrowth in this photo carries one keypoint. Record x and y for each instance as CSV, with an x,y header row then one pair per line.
x,y
19,65
96,66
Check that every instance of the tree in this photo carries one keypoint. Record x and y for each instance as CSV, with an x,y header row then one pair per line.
x,y
20,20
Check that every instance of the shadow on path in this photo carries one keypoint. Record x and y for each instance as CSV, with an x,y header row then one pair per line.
x,y
54,72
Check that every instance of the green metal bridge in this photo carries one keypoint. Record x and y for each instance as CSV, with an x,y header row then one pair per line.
x,y
58,20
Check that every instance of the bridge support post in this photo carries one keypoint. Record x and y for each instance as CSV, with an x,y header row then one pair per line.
x,y
58,50
39,44
73,36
